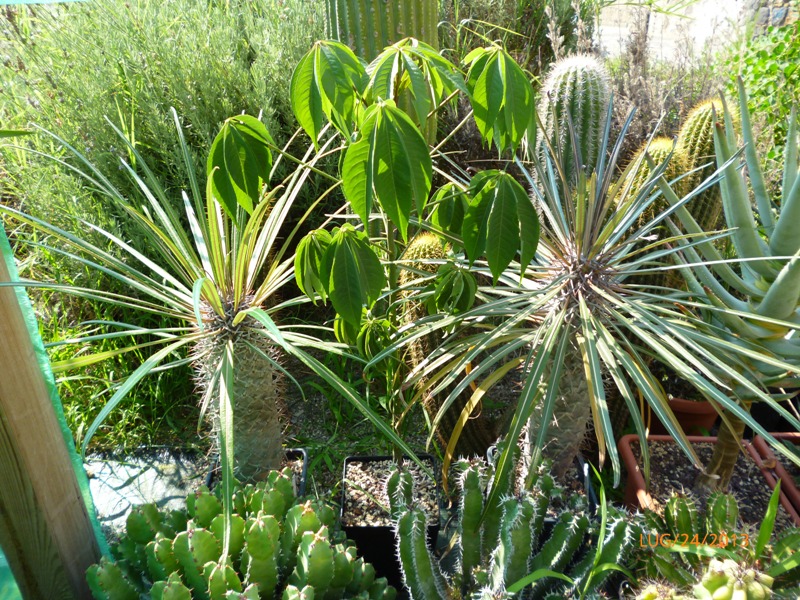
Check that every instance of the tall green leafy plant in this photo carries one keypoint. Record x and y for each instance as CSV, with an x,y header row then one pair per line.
x,y
755,302
386,173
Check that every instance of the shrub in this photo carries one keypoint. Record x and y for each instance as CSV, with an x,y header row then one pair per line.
x,y
768,66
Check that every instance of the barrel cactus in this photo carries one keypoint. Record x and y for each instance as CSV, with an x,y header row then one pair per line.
x,y
425,255
277,548
696,144
575,90
516,538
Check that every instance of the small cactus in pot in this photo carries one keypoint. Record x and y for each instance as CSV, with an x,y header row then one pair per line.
x,y
275,547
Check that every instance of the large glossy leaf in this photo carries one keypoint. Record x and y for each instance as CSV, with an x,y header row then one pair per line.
x,y
354,271
308,264
390,163
502,97
416,69
239,163
450,203
500,221
328,80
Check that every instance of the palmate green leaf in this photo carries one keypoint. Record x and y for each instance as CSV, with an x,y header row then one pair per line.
x,y
308,264
450,203
305,98
328,80
500,220
354,273
239,163
501,97
389,163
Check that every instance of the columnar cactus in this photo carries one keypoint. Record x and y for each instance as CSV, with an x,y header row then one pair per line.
x,y
368,26
576,90
276,548
511,542
696,144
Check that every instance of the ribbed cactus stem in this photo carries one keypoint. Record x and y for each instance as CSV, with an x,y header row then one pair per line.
x,y
696,145
512,555
471,506
722,512
421,574
399,490
108,582
560,547
368,26
576,89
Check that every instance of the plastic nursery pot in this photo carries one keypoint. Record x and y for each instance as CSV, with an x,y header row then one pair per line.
x,y
773,469
292,455
376,542
696,417
636,494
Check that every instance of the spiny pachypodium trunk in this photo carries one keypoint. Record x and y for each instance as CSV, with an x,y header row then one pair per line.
x,y
571,414
258,405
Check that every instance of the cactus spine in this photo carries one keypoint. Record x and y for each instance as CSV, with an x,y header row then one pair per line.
x,y
368,26
488,563
576,89
278,549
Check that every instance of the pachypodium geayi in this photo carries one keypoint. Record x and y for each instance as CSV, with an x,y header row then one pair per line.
x,y
278,548
514,539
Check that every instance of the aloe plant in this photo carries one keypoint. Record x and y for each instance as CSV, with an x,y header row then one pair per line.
x,y
755,302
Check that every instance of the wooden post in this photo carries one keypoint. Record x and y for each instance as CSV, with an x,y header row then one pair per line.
x,y
45,529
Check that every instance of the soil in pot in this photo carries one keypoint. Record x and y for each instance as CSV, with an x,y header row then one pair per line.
x,y
671,471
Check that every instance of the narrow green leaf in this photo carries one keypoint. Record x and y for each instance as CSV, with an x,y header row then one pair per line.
x,y
502,228
226,442
768,524
142,371
305,98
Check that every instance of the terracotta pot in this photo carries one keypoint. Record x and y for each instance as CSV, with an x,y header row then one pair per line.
x,y
697,417
636,494
774,470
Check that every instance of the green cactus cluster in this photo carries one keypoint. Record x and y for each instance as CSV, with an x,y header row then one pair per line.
x,y
718,526
277,548
500,544
575,90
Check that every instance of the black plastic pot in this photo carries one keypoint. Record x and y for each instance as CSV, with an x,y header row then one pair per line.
x,y
376,543
292,454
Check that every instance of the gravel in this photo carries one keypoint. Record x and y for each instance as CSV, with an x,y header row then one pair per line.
x,y
671,471
365,499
